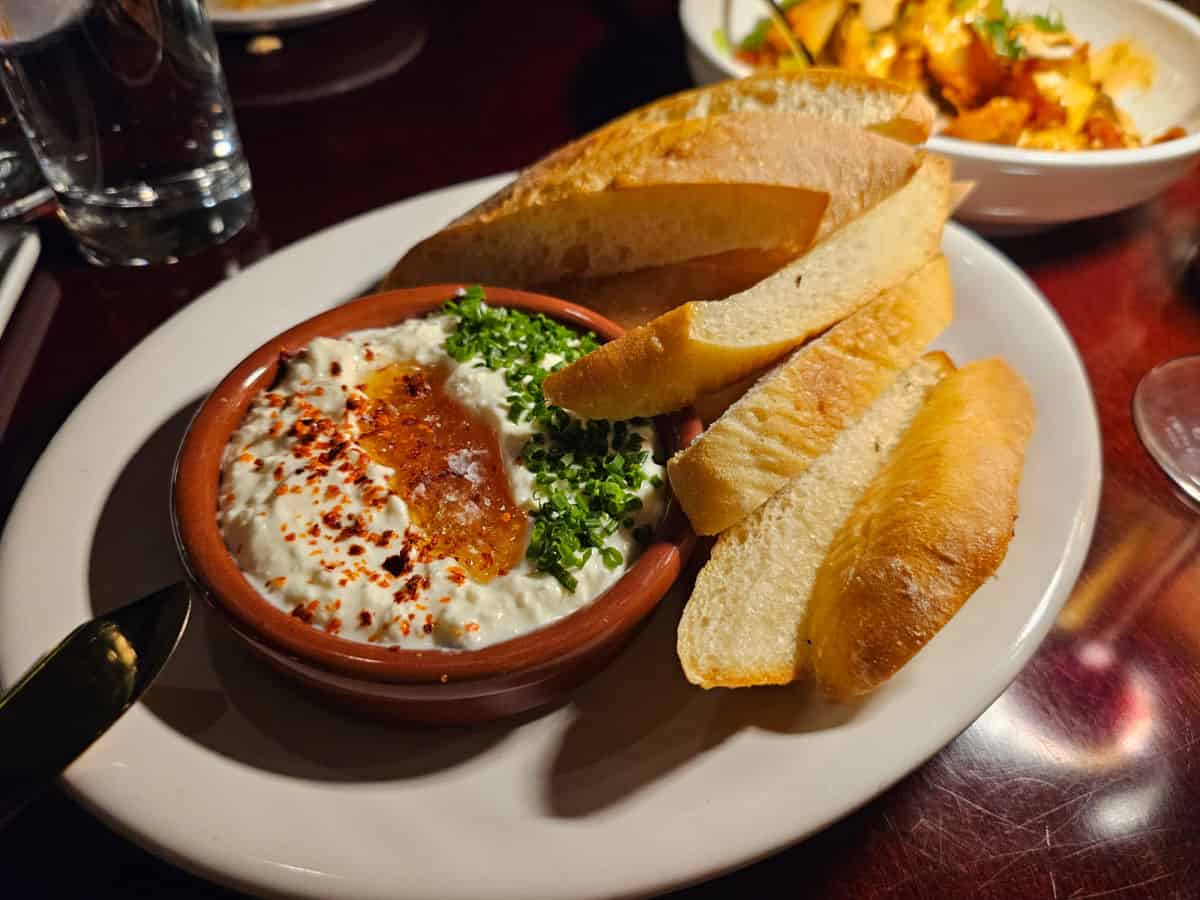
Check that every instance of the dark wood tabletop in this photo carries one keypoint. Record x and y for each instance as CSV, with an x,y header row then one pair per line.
x,y
1081,781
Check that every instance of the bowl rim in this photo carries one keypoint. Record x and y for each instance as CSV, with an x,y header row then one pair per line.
x,y
1169,151
211,567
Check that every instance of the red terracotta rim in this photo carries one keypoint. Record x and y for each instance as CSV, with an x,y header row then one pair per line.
x,y
213,568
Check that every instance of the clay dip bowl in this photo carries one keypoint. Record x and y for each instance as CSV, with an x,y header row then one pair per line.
x,y
437,686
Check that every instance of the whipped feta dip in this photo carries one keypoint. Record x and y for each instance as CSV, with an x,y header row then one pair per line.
x,y
318,528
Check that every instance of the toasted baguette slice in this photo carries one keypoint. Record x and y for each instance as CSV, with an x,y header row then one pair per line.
x,y
927,532
795,412
700,348
743,623
834,95
634,298
612,215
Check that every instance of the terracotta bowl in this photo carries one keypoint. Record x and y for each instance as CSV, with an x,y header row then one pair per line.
x,y
442,686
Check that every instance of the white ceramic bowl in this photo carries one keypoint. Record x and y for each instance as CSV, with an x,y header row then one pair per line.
x,y
1025,190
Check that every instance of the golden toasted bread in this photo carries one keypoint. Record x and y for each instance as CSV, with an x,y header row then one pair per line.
x,y
794,413
743,624
703,347
927,532
746,181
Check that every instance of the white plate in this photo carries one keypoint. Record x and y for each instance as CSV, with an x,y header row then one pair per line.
x,y
1018,190
289,15
640,783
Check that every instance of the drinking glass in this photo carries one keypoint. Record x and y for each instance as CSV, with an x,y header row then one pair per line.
x,y
125,106
22,188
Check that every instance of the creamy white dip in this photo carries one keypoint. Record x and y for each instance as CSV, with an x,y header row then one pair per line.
x,y
323,542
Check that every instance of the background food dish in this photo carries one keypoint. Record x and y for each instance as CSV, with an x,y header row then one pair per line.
x,y
589,780
228,17
1018,189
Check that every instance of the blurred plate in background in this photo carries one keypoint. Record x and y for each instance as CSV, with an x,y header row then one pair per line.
x,y
259,15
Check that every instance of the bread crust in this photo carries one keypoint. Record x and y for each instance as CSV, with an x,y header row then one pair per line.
x,y
875,104
745,181
927,532
672,360
794,413
744,623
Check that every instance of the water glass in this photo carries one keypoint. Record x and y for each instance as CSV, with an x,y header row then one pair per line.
x,y
22,188
125,106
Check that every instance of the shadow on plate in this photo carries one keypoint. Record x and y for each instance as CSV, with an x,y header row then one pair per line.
x,y
213,691
640,719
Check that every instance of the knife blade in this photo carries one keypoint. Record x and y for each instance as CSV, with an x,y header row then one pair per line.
x,y
75,693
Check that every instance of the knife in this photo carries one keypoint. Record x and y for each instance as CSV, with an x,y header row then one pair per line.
x,y
74,693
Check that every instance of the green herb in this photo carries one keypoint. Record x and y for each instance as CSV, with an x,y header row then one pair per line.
x,y
1051,22
1003,41
757,36
721,41
586,472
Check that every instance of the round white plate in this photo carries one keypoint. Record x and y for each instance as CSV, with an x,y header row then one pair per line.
x,y
289,15
1019,190
641,783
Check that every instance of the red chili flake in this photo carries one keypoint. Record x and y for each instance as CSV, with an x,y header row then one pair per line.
x,y
335,368
289,537
471,626
354,404
457,575
334,625
332,491
277,583
275,428
318,391
364,618
356,528
342,582
368,354
246,458
443,599
427,628
259,463
315,531
276,400
334,452
356,550
397,564
404,628
302,614
278,473
410,589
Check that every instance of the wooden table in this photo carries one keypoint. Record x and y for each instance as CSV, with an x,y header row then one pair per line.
x,y
1081,781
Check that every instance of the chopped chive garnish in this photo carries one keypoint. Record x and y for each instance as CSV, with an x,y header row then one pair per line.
x,y
586,472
